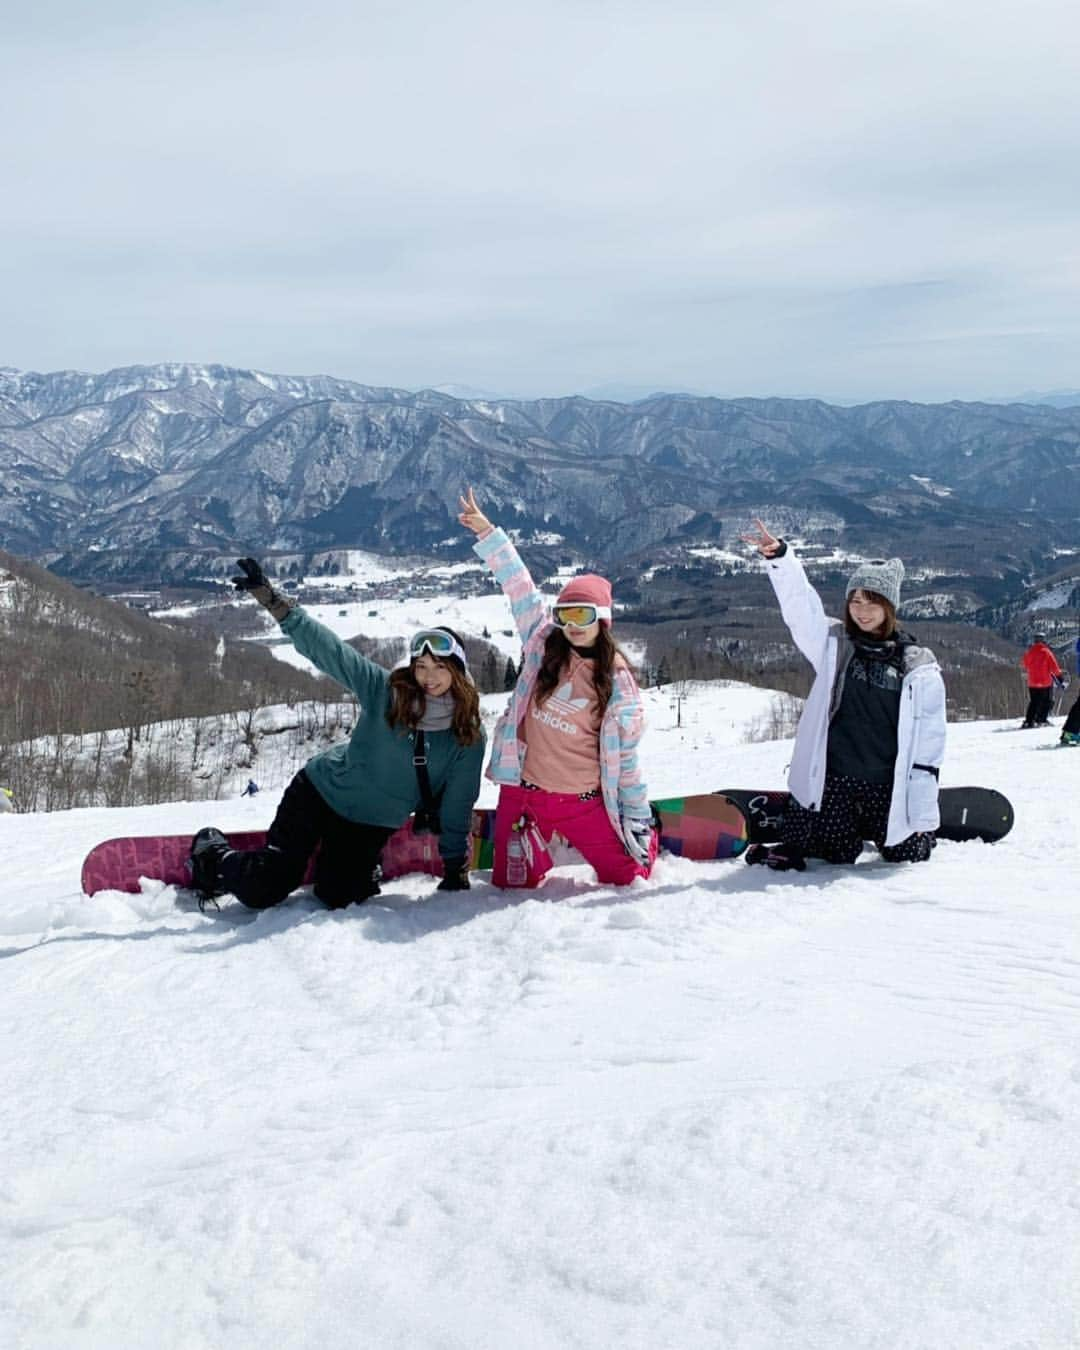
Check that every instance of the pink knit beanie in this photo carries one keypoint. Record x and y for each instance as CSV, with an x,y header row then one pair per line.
x,y
587,589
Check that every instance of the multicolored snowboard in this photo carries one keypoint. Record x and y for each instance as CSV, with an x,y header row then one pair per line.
x,y
701,827
966,813
704,827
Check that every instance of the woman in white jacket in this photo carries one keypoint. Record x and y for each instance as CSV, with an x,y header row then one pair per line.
x,y
872,734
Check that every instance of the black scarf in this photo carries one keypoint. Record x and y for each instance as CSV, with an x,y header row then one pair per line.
x,y
890,649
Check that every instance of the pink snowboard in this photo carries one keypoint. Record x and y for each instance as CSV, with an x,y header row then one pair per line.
x,y
118,864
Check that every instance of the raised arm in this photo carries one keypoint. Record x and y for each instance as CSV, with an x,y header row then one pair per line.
x,y
312,639
323,648
527,605
800,604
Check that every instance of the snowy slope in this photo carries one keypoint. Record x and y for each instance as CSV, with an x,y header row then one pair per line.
x,y
719,1109
389,618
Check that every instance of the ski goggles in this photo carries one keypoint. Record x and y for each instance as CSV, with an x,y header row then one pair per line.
x,y
437,644
579,616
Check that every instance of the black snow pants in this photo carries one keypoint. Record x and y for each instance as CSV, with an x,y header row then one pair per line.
x,y
851,810
344,870
1072,722
1040,701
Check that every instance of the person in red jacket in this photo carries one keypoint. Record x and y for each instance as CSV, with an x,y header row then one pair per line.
x,y
1043,672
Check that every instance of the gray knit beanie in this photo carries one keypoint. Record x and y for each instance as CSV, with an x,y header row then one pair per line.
x,y
880,575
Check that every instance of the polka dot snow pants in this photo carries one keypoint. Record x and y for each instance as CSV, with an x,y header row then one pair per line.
x,y
851,810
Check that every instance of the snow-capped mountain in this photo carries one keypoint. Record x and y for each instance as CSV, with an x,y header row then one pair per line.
x,y
147,472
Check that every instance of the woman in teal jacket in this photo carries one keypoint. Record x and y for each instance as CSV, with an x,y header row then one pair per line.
x,y
349,800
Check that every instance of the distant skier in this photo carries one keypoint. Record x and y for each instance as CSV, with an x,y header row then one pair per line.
x,y
422,719
251,789
1042,669
1070,732
7,800
871,737
565,751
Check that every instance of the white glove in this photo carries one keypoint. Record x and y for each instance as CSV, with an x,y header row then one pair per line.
x,y
638,833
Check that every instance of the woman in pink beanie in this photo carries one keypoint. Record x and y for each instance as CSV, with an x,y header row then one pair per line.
x,y
565,751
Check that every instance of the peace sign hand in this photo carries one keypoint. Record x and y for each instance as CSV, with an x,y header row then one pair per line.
x,y
765,543
470,514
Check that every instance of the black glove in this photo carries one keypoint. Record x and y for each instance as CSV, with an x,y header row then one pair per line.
x,y
259,587
455,875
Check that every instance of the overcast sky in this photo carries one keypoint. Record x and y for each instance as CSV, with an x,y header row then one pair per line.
x,y
848,199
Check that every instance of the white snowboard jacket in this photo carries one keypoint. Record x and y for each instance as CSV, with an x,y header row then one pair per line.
x,y
920,734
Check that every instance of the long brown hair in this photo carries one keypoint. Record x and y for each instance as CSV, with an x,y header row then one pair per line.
x,y
408,701
557,649
888,626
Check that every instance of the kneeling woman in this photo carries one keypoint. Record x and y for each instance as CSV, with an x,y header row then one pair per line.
x,y
349,800
565,750
872,734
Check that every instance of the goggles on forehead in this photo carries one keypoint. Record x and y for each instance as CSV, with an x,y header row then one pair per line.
x,y
437,644
579,616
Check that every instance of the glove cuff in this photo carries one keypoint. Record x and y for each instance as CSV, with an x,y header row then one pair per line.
x,y
280,606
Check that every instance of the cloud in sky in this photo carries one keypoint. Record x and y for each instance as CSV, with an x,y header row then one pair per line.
x,y
843,198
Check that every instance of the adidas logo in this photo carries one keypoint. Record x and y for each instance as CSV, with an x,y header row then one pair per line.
x,y
562,702
553,720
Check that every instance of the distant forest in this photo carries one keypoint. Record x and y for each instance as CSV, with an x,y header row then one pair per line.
x,y
75,665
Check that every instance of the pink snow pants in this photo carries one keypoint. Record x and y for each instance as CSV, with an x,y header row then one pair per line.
x,y
585,825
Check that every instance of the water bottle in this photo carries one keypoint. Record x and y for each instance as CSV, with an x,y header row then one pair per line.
x,y
517,871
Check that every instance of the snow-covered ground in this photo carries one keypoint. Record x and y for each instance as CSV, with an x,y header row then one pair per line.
x,y
386,618
398,616
469,615
721,1109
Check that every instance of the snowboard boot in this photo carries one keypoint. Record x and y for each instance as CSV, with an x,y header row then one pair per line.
x,y
1070,738
779,857
207,850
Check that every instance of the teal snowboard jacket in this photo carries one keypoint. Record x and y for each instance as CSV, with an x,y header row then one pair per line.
x,y
371,777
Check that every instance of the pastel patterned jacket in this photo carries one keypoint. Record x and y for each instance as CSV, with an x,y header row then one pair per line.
x,y
621,784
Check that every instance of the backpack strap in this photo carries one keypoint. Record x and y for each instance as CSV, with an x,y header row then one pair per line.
x,y
426,820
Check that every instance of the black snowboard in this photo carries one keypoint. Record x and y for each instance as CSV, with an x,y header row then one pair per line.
x,y
966,813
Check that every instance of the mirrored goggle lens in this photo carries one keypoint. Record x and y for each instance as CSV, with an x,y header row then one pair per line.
x,y
438,644
578,615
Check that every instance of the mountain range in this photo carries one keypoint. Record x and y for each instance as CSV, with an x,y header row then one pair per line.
x,y
155,472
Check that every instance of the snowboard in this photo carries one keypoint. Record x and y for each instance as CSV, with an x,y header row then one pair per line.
x,y
703,827
118,864
966,813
